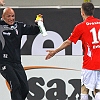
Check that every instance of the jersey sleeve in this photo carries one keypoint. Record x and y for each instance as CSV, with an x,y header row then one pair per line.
x,y
30,29
76,34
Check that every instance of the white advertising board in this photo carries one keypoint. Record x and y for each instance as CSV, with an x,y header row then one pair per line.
x,y
57,78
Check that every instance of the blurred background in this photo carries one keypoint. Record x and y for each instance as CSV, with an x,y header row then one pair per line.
x,y
28,3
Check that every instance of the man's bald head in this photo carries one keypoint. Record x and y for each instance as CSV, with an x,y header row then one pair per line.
x,y
8,15
7,10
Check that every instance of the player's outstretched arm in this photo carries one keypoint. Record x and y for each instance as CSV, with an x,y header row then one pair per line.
x,y
2,2
51,53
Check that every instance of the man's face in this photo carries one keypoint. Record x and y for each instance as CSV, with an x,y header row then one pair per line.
x,y
9,16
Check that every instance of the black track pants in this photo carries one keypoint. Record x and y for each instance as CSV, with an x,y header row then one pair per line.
x,y
16,77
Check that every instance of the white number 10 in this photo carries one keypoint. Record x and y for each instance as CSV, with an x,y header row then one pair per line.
x,y
96,38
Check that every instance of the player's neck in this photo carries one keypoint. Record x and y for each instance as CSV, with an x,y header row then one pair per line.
x,y
86,17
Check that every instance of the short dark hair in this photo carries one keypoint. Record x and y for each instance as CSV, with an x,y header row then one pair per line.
x,y
88,8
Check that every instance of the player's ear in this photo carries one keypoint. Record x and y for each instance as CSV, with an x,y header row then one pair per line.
x,y
82,12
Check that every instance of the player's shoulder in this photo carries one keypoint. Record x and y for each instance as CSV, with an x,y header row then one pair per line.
x,y
79,24
98,20
18,22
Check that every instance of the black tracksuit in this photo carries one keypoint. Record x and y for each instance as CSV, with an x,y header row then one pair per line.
x,y
10,58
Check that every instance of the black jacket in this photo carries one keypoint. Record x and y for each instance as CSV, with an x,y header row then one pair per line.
x,y
10,40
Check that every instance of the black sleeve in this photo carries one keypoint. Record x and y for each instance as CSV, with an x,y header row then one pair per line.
x,y
30,29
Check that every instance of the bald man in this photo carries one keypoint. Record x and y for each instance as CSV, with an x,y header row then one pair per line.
x,y
11,68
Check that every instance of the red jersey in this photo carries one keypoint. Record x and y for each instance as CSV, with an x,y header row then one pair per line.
x,y
88,32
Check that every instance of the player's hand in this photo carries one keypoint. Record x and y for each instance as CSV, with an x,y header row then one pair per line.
x,y
50,54
2,2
